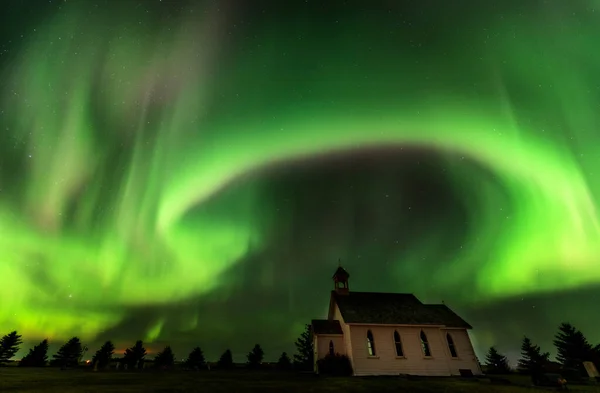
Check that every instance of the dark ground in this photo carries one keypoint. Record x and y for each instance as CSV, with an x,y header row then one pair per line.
x,y
13,379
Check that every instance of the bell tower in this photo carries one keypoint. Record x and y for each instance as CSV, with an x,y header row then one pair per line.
x,y
340,280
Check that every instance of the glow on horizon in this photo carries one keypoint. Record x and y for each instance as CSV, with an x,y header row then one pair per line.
x,y
108,199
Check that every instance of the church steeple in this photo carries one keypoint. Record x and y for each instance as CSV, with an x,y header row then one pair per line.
x,y
340,279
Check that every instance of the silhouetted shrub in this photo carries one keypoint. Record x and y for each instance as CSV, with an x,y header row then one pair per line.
x,y
337,364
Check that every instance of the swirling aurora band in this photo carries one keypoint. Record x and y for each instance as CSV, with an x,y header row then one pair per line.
x,y
122,134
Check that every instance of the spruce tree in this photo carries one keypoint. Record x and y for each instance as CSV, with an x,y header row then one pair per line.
x,y
103,356
572,347
68,355
532,359
134,356
284,363
9,346
165,358
226,360
37,356
255,357
196,359
496,363
304,359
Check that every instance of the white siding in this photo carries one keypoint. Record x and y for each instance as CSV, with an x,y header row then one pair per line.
x,y
323,340
414,362
466,355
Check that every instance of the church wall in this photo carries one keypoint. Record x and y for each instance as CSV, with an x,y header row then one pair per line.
x,y
467,359
385,361
322,348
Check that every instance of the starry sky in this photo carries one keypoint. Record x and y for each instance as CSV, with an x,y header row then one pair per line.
x,y
190,172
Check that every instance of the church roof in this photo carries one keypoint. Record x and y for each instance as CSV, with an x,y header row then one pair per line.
x,y
324,326
394,309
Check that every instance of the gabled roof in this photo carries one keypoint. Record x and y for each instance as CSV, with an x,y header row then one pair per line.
x,y
324,326
394,309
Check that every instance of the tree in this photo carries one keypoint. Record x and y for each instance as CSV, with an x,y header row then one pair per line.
x,y
68,355
165,358
9,346
37,356
284,363
496,363
304,359
226,360
196,359
572,347
135,355
103,356
532,359
255,357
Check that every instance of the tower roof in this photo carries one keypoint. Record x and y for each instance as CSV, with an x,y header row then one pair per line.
x,y
341,274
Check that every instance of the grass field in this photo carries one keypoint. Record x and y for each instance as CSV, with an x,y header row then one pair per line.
x,y
13,379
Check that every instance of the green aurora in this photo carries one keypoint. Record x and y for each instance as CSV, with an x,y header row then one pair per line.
x,y
136,141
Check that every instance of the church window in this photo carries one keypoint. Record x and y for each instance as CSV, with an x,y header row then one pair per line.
x,y
451,346
425,344
370,343
331,348
398,344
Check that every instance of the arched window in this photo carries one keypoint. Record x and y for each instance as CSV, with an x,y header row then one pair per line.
x,y
398,344
370,343
331,349
451,346
425,344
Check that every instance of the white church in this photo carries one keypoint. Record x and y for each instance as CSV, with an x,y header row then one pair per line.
x,y
393,334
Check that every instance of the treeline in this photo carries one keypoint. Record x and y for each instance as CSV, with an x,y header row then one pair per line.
x,y
135,357
572,350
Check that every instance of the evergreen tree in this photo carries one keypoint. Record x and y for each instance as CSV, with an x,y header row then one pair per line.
x,y
284,363
496,363
103,356
304,359
68,355
255,357
532,359
572,347
134,356
9,346
226,360
165,358
196,359
37,356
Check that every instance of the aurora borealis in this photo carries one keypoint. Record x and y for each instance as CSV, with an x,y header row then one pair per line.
x,y
184,171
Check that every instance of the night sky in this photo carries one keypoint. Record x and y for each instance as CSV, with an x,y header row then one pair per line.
x,y
189,173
